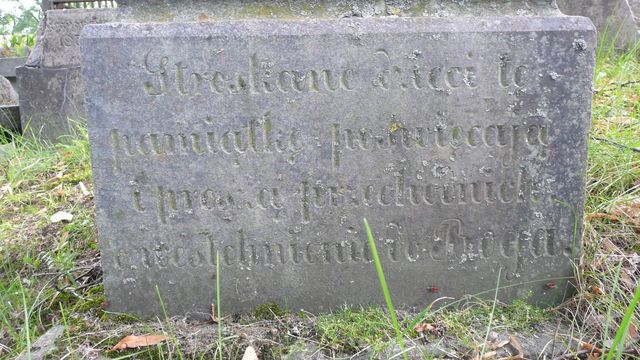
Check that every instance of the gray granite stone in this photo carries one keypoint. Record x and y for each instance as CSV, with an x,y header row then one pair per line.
x,y
60,42
10,117
199,11
44,346
50,85
51,101
619,19
462,139
8,66
9,109
8,96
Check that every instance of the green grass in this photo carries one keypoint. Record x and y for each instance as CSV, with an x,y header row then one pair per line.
x,y
606,274
50,273
353,329
38,180
617,347
385,289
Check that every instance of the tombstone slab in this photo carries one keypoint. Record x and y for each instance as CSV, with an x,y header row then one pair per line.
x,y
51,101
61,40
266,142
195,10
50,86
9,110
619,19
8,96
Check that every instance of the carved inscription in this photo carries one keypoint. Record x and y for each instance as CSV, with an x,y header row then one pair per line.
x,y
260,78
447,242
63,30
413,72
263,136
304,202
257,146
66,33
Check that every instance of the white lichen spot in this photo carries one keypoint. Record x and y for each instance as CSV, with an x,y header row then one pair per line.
x,y
440,171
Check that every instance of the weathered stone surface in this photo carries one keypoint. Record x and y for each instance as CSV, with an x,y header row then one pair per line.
x,y
8,96
60,43
44,346
9,110
8,66
50,85
10,117
462,140
196,10
51,101
620,19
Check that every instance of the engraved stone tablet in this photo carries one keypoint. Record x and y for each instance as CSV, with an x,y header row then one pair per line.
x,y
50,84
60,43
462,140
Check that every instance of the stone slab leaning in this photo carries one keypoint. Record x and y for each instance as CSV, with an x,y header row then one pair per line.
x,y
462,139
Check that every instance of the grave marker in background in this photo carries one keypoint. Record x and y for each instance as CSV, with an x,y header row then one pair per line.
x,y
9,110
50,84
462,140
620,19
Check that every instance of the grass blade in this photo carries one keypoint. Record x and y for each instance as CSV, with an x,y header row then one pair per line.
x,y
66,328
618,341
26,322
169,327
385,288
493,310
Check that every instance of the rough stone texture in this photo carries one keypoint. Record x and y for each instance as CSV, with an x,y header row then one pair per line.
x,y
44,346
8,66
51,101
620,19
50,85
10,117
9,110
197,10
462,140
60,43
8,96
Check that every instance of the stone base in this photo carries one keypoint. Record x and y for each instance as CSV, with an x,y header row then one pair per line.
x,y
619,19
51,101
10,117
